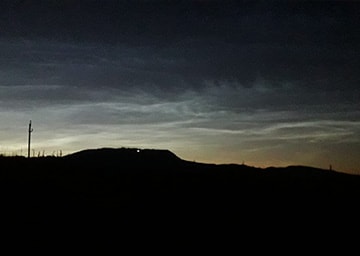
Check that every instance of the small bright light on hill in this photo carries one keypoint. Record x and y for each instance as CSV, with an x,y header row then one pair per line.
x,y
138,150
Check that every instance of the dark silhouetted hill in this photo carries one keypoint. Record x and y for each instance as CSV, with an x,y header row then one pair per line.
x,y
119,196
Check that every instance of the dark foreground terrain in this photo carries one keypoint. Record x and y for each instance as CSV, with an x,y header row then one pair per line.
x,y
122,198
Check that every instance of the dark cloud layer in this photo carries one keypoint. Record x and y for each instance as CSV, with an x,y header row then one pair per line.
x,y
313,44
255,77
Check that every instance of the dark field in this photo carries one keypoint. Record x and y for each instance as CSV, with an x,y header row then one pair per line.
x,y
114,198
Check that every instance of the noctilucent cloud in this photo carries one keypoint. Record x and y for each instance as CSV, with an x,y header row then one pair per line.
x,y
257,82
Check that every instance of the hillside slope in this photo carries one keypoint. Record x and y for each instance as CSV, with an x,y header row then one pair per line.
x,y
131,193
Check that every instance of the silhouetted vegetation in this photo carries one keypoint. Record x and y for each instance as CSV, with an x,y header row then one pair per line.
x,y
111,195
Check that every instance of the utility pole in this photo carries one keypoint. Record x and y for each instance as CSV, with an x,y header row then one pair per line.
x,y
30,131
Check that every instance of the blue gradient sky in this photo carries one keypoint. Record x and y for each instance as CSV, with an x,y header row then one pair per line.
x,y
267,83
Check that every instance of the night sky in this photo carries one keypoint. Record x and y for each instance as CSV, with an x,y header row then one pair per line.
x,y
267,83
